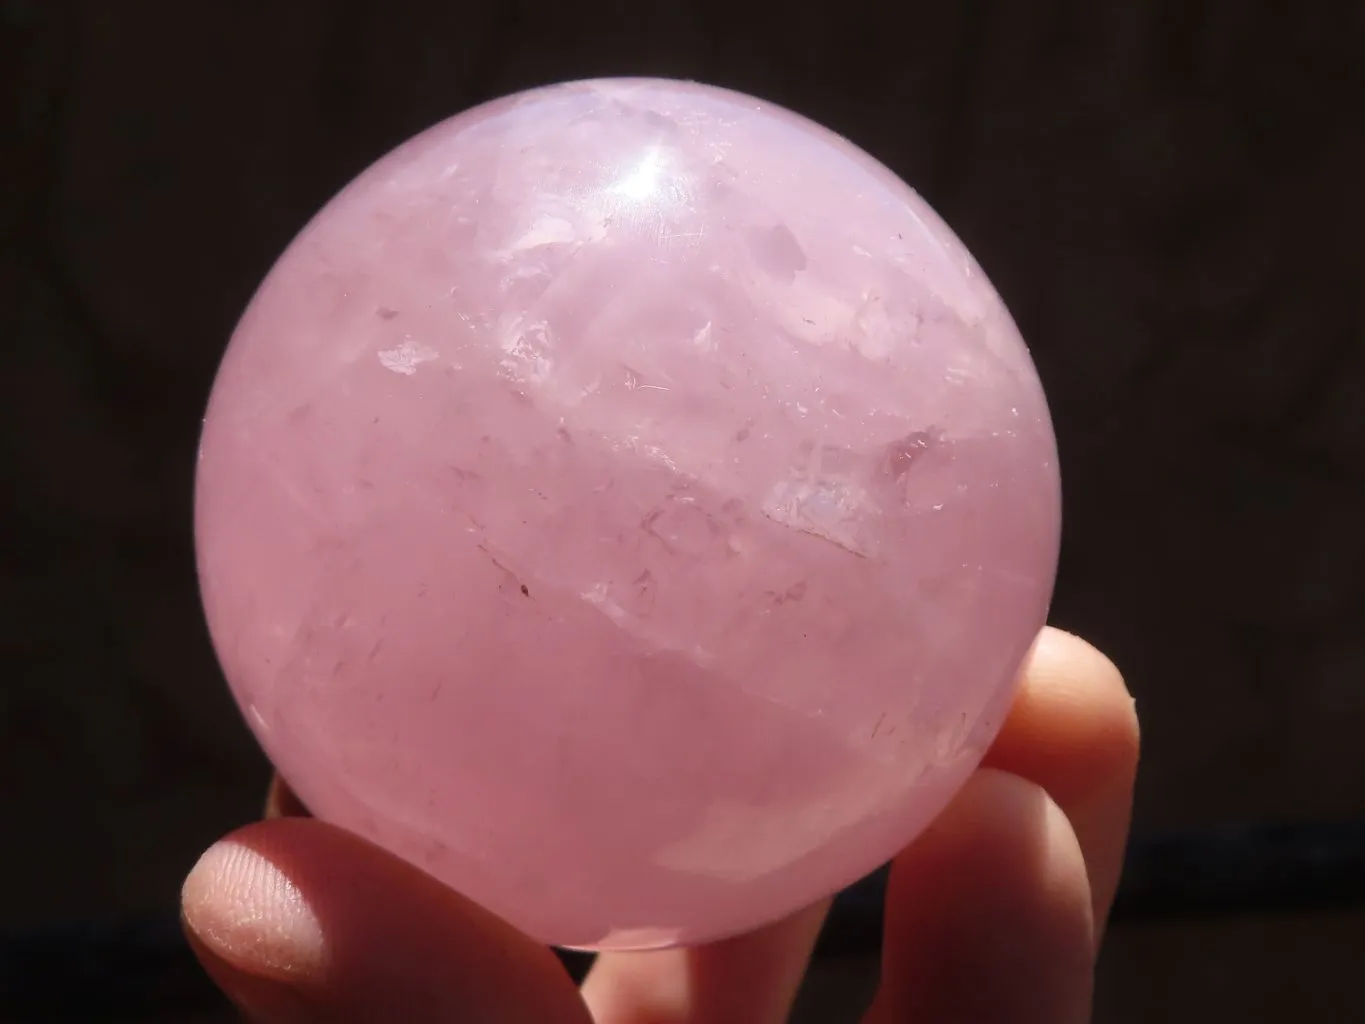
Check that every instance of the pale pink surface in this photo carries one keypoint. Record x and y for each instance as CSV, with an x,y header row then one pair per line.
x,y
630,503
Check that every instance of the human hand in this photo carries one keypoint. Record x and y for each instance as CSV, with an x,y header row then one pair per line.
x,y
994,915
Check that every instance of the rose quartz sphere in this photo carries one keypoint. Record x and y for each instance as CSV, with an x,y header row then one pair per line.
x,y
628,502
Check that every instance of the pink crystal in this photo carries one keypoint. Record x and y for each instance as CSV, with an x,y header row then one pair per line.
x,y
630,503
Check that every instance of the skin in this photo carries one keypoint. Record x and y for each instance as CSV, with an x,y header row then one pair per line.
x,y
995,914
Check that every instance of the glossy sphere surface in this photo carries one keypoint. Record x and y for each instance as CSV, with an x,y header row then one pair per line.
x,y
630,503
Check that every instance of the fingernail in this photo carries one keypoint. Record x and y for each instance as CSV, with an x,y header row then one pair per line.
x,y
247,911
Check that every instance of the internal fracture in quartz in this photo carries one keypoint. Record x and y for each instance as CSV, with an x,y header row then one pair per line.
x,y
630,503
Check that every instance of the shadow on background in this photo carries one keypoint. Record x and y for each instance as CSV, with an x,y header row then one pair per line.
x,y
1166,194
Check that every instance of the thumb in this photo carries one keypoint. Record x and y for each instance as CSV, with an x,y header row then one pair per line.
x,y
300,921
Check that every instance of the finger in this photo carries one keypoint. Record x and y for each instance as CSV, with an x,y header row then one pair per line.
x,y
749,979
989,914
1073,730
299,921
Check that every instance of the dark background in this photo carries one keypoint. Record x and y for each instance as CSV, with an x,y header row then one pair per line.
x,y
1167,193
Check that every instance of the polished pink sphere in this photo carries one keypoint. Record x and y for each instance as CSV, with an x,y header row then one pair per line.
x,y
628,502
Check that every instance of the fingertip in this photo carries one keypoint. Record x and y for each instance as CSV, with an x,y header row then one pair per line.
x,y
1071,665
245,911
1007,838
313,923
1073,723
989,914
